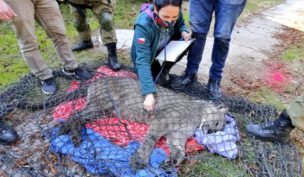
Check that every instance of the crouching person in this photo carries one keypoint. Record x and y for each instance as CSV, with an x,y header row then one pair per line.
x,y
154,28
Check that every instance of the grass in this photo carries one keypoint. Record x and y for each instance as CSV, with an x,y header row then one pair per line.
x,y
294,52
267,96
214,166
256,6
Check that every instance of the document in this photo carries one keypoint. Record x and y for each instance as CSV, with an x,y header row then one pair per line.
x,y
173,50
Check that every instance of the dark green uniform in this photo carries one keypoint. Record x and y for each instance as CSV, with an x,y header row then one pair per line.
x,y
103,10
296,112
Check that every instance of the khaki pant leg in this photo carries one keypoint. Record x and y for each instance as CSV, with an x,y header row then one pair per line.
x,y
296,112
104,12
24,27
80,23
49,17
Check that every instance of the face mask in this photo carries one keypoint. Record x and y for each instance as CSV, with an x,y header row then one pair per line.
x,y
169,24
164,23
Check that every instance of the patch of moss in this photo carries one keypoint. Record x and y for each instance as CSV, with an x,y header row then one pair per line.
x,y
267,96
294,52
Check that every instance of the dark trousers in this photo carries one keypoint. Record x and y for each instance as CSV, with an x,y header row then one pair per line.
x,y
156,67
226,14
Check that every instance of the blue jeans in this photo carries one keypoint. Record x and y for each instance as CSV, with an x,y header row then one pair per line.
x,y
226,14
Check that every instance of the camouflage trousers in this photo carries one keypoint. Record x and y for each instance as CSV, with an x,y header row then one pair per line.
x,y
102,9
296,112
47,14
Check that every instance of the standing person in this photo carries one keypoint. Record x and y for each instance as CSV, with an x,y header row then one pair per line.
x,y
154,27
226,13
103,11
279,129
23,15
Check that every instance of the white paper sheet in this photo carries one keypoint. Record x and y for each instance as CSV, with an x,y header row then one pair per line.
x,y
173,50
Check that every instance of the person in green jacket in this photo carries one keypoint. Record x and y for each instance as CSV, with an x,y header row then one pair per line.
x,y
154,28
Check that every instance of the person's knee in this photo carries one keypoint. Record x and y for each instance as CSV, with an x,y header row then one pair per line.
x,y
106,21
199,35
222,40
28,45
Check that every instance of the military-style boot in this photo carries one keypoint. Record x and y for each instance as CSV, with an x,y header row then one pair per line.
x,y
277,130
112,56
83,45
214,89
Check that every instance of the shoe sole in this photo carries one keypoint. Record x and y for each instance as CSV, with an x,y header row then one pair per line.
x,y
47,93
284,141
10,141
213,99
83,49
70,74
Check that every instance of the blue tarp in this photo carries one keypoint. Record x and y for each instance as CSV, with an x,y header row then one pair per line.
x,y
100,156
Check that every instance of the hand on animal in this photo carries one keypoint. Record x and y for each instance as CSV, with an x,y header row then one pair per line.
x,y
186,36
6,12
149,102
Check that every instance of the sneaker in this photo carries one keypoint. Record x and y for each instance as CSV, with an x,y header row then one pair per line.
x,y
82,74
7,134
49,86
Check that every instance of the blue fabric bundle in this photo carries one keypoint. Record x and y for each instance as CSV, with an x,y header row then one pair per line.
x,y
100,156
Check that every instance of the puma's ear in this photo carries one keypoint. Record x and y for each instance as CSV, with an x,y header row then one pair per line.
x,y
223,108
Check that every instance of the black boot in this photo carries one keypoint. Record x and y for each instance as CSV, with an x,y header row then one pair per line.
x,y
83,45
214,89
112,56
183,80
7,134
277,130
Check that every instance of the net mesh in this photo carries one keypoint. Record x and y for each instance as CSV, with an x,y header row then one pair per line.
x,y
99,128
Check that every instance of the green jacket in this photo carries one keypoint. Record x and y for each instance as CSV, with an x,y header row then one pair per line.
x,y
144,46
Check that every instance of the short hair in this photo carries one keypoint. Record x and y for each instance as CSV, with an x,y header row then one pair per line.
x,y
163,3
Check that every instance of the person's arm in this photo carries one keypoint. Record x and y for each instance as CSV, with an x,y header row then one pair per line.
x,y
180,23
6,12
182,28
143,66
